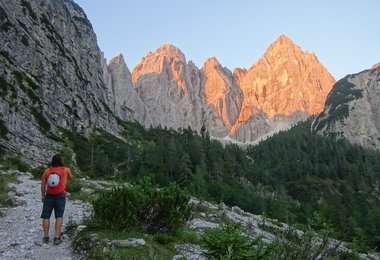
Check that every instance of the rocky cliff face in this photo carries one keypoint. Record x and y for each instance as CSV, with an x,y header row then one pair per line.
x,y
221,95
164,82
53,77
285,86
50,76
352,109
285,83
125,102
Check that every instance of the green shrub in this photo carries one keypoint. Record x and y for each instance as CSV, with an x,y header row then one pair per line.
x,y
340,96
3,14
27,8
4,21
6,55
19,77
3,129
71,228
187,236
227,242
24,40
33,96
43,124
74,185
90,246
31,83
37,173
3,86
5,179
143,207
164,238
14,162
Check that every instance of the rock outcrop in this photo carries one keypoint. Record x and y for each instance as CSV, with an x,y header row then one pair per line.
x,y
125,102
352,110
163,81
53,77
50,76
285,86
286,82
222,97
375,66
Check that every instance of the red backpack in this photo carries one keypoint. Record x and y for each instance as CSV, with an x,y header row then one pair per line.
x,y
60,187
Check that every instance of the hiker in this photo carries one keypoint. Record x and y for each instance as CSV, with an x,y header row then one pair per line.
x,y
53,194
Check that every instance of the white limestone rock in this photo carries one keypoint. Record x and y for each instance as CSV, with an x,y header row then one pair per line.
x,y
125,101
352,110
51,64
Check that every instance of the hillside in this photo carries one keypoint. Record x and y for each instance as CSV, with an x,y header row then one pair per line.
x,y
291,176
84,239
59,95
53,76
352,109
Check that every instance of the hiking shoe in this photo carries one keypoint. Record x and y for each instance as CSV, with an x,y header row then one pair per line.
x,y
57,240
45,240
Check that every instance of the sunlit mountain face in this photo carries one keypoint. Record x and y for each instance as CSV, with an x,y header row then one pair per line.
x,y
284,86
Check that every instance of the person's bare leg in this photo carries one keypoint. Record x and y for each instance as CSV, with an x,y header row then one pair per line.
x,y
58,226
46,225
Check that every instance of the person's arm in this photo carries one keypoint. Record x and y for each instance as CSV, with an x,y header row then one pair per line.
x,y
69,174
43,189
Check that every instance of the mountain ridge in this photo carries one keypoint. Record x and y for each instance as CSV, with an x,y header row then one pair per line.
x,y
352,110
163,90
273,86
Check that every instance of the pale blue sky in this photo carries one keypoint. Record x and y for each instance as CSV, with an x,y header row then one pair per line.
x,y
344,34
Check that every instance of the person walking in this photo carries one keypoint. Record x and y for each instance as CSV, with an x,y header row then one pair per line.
x,y
53,196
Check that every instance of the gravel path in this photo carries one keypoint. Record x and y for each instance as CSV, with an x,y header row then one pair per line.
x,y
21,230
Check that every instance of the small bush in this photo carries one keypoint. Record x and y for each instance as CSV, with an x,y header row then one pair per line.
x,y
227,242
90,246
19,77
3,129
7,56
143,207
3,14
187,236
71,228
37,173
164,238
24,40
3,86
5,179
74,185
33,96
16,163
27,8
43,124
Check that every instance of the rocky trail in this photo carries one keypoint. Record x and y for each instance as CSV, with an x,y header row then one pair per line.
x,y
21,229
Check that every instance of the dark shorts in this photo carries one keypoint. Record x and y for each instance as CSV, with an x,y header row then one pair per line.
x,y
56,202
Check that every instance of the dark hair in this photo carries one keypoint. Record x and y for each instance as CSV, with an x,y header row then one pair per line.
x,y
56,161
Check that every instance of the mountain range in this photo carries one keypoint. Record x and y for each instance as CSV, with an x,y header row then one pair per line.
x,y
54,77
286,85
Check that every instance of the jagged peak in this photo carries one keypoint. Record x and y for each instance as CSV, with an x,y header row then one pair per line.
x,y
119,59
283,39
169,50
168,47
282,43
375,66
212,61
166,56
240,70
